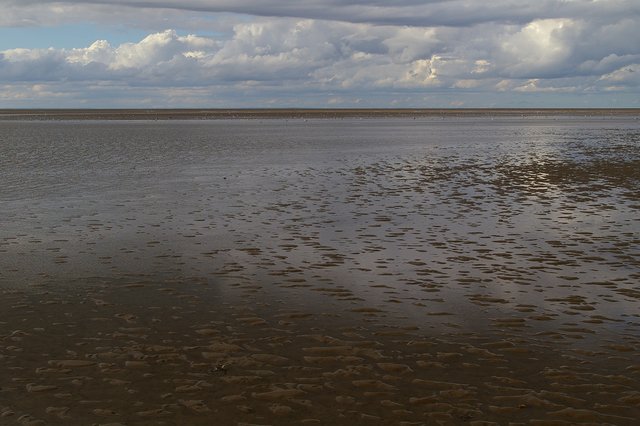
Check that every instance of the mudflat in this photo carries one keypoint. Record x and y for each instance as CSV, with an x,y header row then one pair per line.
x,y
396,270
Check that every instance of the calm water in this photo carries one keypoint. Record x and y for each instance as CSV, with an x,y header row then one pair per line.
x,y
516,230
374,194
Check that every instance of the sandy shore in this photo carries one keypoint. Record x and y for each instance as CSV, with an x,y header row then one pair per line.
x,y
149,353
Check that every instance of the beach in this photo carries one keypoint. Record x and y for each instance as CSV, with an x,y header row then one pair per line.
x,y
365,267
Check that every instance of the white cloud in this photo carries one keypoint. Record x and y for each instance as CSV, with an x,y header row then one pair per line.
x,y
100,52
534,86
336,50
539,47
627,76
466,84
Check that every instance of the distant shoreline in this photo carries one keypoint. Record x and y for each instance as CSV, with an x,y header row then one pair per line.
x,y
217,114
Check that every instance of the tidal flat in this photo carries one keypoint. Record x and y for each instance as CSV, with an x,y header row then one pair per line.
x,y
394,270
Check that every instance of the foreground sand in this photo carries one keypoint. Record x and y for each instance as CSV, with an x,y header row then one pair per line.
x,y
429,285
184,357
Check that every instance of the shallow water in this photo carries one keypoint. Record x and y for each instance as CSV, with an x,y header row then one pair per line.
x,y
429,271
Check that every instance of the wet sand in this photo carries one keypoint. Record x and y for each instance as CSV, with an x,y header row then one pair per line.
x,y
487,277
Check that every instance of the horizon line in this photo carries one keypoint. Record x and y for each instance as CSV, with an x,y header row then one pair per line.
x,y
34,114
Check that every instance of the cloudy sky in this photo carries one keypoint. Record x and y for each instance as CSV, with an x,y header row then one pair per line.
x,y
319,53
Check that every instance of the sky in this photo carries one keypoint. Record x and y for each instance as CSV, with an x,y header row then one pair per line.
x,y
319,53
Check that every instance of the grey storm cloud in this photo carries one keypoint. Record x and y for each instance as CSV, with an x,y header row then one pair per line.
x,y
399,12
